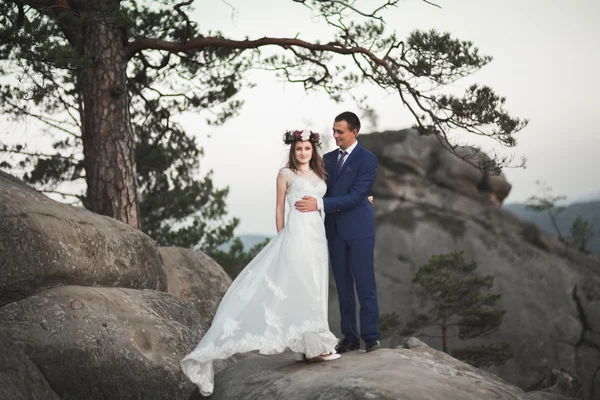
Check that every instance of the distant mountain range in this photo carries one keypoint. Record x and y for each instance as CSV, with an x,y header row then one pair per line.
x,y
249,241
589,211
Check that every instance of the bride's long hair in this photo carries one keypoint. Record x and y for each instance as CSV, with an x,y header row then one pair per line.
x,y
316,161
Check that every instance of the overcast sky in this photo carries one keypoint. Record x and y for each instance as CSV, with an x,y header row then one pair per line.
x,y
546,62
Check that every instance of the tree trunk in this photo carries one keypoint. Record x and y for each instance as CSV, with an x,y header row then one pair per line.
x,y
555,225
444,334
108,140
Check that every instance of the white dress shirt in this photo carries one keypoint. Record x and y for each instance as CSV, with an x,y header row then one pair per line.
x,y
349,151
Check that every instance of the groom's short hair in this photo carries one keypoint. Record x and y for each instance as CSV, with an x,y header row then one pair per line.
x,y
350,118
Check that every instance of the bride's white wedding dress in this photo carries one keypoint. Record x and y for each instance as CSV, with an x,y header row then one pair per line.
x,y
279,300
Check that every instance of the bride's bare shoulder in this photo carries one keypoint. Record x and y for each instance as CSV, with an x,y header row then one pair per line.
x,y
287,171
285,174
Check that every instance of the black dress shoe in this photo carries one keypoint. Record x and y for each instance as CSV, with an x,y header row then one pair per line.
x,y
346,345
372,345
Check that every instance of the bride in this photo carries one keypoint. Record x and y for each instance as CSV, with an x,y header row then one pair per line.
x,y
279,300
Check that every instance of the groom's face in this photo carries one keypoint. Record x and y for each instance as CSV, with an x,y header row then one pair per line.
x,y
344,137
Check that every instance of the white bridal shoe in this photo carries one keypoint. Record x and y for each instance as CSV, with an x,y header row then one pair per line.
x,y
323,357
327,357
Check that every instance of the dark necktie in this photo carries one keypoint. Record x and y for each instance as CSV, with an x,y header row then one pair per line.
x,y
343,155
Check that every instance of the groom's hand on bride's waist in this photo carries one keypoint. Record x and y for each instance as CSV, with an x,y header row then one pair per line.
x,y
306,204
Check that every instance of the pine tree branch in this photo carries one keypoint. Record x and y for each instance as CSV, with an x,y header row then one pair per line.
x,y
61,10
26,153
163,63
60,97
346,5
390,3
202,43
234,11
188,24
43,119
432,4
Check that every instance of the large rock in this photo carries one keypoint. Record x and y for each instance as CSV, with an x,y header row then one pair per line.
x,y
195,278
556,384
420,373
106,343
411,154
552,301
20,379
44,243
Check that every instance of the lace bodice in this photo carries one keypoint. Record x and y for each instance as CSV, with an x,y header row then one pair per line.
x,y
303,184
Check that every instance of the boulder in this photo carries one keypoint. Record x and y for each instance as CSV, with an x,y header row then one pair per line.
x,y
557,385
410,154
195,278
44,243
420,373
20,379
106,343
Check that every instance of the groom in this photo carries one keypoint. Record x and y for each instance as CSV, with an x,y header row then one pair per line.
x,y
350,230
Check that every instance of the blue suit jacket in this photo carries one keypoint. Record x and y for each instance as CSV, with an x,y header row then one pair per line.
x,y
348,212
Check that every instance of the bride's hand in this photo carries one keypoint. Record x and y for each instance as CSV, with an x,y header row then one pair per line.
x,y
370,199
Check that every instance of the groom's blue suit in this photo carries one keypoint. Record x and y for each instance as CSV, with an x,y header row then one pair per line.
x,y
350,229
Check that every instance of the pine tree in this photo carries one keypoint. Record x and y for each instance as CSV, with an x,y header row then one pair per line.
x,y
108,80
458,302
548,203
581,232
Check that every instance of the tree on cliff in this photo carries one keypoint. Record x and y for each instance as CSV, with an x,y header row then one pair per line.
x,y
546,202
457,304
581,232
107,79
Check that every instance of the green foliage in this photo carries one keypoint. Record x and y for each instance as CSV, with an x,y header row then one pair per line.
x,y
588,211
389,324
236,258
449,284
178,207
581,232
546,202
458,302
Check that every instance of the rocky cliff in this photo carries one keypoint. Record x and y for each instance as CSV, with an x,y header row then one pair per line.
x,y
429,202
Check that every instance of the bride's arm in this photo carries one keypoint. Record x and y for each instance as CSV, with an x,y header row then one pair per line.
x,y
280,206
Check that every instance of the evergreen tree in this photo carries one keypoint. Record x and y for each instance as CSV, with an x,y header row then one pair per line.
x,y
458,303
548,203
108,79
581,232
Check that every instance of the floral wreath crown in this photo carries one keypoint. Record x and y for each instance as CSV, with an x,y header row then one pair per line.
x,y
290,137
